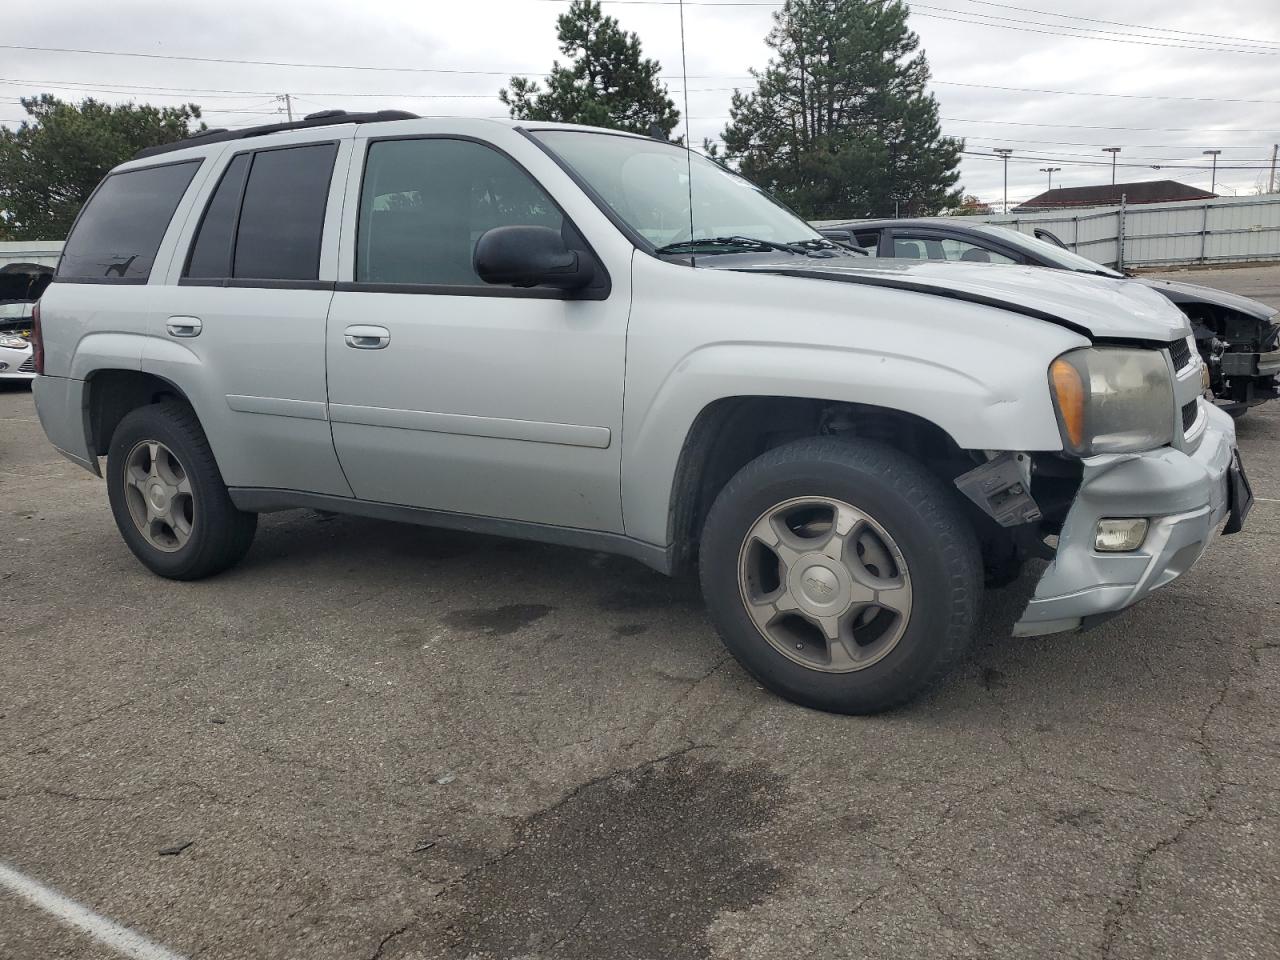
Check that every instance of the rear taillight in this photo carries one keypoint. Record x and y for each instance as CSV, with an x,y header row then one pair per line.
x,y
37,340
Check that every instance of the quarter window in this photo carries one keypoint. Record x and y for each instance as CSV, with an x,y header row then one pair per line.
x,y
118,233
211,253
424,203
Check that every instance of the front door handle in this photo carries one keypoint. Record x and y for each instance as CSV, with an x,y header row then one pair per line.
x,y
184,326
363,337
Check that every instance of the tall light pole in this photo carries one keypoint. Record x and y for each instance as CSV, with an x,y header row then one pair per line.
x,y
1213,177
1003,153
1050,171
1113,151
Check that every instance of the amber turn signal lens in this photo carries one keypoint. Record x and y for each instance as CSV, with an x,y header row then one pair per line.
x,y
1068,391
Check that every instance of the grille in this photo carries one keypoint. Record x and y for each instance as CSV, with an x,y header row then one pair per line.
x,y
28,365
1189,413
1180,354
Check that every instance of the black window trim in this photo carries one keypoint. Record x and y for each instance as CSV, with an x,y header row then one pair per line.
x,y
126,281
466,290
259,283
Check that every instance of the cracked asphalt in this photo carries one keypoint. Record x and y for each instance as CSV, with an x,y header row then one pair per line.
x,y
381,741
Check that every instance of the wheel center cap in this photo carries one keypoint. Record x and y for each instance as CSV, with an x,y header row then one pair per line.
x,y
819,585
159,497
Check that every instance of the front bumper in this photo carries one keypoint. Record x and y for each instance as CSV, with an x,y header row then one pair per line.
x,y
1186,495
1264,365
16,364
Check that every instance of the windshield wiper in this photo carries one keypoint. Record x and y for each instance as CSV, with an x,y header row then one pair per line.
x,y
698,244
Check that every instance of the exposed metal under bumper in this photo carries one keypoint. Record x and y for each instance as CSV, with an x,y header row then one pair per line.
x,y
1185,495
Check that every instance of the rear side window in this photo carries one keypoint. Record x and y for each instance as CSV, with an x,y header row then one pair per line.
x,y
265,219
119,231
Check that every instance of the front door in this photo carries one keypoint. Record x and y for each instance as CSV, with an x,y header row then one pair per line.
x,y
449,394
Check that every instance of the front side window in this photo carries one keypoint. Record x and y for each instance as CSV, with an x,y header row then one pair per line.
x,y
425,202
946,248
266,217
119,232
647,184
954,249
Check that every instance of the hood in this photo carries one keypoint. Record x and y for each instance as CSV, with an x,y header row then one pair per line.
x,y
1180,292
1099,307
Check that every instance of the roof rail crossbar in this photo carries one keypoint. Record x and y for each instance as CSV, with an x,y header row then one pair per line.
x,y
325,118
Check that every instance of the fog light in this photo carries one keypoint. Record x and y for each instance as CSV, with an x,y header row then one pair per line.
x,y
1120,535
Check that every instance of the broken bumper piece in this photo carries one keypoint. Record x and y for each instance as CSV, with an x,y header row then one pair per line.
x,y
1186,495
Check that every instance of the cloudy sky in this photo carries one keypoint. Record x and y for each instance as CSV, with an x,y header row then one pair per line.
x,y
1162,79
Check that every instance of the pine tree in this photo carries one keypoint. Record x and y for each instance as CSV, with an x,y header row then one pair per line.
x,y
608,82
50,164
840,124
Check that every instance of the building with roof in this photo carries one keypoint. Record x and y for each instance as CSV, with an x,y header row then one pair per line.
x,y
1107,195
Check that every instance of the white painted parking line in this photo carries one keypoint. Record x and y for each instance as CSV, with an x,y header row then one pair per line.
x,y
107,932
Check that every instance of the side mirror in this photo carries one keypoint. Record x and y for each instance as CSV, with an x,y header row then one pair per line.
x,y
526,256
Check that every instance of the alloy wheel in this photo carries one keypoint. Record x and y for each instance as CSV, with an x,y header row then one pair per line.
x,y
158,492
825,584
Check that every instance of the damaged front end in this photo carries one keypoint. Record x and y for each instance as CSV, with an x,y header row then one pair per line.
x,y
1115,524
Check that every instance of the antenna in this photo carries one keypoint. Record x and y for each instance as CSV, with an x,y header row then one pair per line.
x,y
688,135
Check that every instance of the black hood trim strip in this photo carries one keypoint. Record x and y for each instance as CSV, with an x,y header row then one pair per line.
x,y
927,289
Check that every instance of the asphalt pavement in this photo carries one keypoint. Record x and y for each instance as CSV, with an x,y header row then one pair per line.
x,y
372,740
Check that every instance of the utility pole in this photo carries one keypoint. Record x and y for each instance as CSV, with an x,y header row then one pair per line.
x,y
1113,151
1213,177
1050,171
287,100
1003,153
1271,184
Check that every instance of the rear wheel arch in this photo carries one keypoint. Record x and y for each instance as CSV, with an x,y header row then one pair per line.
x,y
730,432
111,394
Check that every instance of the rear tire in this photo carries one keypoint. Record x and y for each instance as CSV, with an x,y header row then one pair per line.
x,y
860,635
168,498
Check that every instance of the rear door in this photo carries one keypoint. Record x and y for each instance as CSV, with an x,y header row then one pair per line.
x,y
243,332
450,394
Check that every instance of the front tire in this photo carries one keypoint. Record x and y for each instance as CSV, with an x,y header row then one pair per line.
x,y
168,498
841,574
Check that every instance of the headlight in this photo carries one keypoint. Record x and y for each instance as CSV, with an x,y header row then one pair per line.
x,y
13,342
1112,400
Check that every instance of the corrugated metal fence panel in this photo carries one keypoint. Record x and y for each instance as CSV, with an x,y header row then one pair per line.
x,y
1228,229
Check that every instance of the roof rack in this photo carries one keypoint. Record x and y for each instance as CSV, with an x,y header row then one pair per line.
x,y
325,118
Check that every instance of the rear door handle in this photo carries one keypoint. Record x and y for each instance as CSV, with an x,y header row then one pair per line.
x,y
184,326
363,337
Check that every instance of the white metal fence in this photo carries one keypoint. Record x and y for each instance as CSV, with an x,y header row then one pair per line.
x,y
1226,230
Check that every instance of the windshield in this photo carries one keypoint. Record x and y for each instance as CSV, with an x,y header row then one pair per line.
x,y
1051,253
646,182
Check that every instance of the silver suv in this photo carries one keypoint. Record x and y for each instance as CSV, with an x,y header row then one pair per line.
x,y
601,340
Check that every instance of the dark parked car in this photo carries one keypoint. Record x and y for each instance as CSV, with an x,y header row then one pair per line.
x,y
1238,338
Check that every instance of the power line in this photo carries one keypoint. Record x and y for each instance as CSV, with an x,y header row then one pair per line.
x,y
1055,29
315,66
1107,163
985,21
1084,93
1118,23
